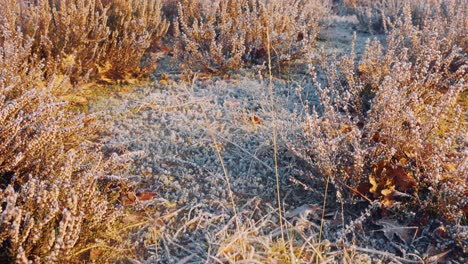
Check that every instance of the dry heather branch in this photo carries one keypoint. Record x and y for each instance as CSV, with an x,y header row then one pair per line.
x,y
223,35
395,128
50,203
104,40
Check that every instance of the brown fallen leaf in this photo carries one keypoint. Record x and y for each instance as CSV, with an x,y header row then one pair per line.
x,y
373,184
145,195
166,48
403,180
128,198
95,254
376,136
387,199
251,119
346,129
164,79
440,232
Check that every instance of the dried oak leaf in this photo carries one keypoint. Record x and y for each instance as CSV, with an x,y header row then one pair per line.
x,y
388,200
130,197
440,232
376,136
374,184
251,119
403,181
346,129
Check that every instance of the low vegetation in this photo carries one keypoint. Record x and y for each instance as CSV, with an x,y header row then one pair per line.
x,y
50,164
227,35
90,39
375,15
391,125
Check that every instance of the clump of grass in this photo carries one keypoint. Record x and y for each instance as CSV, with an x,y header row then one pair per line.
x,y
226,35
260,242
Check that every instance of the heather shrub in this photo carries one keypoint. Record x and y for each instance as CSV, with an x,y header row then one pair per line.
x,y
50,164
100,39
137,27
374,15
393,127
223,35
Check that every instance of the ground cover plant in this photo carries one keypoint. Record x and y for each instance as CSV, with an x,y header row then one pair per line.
x,y
304,131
